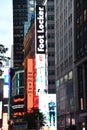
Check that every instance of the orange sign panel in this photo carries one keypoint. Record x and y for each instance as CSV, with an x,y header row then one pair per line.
x,y
30,82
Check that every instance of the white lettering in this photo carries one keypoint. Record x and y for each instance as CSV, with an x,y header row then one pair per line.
x,y
40,30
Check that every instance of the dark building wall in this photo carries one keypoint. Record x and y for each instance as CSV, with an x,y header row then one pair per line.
x,y
81,29
19,17
81,61
16,98
50,38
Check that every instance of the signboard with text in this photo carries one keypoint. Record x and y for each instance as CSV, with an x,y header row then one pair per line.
x,y
17,103
40,29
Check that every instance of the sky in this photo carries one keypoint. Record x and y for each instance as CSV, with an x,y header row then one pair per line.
x,y
6,24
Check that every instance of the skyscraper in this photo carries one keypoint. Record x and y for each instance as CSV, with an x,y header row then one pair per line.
x,y
50,44
65,63
81,62
19,17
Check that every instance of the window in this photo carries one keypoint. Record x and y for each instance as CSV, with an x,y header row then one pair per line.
x,y
70,33
70,19
51,72
50,17
66,64
51,26
62,67
51,35
52,81
51,54
85,14
51,63
51,45
70,60
57,71
50,8
80,20
70,47
51,91
77,4
51,0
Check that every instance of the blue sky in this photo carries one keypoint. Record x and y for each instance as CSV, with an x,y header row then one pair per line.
x,y
6,24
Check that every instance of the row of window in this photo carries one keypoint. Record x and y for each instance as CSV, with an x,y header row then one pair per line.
x,y
50,0
50,8
67,8
81,18
51,44
17,57
51,54
51,81
50,26
51,35
51,72
18,35
50,17
64,53
66,77
51,63
67,37
51,91
64,66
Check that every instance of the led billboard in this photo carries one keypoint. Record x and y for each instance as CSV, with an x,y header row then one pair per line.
x,y
41,86
47,105
40,74
17,105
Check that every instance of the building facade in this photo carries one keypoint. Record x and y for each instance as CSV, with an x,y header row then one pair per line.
x,y
50,44
64,60
80,60
30,43
16,97
20,12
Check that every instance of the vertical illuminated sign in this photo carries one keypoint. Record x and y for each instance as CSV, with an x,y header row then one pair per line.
x,y
40,29
30,81
40,50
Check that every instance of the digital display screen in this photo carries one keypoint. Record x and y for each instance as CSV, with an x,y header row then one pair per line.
x,y
47,105
40,74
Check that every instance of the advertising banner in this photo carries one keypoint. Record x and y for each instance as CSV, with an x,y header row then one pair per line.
x,y
40,74
30,82
17,103
47,105
41,84
40,29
